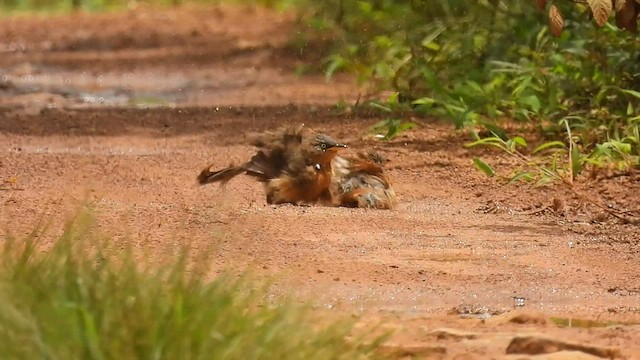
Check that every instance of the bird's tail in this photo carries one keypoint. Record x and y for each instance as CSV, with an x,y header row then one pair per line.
x,y
223,176
258,167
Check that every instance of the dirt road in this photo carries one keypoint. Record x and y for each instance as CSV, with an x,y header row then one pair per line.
x,y
124,112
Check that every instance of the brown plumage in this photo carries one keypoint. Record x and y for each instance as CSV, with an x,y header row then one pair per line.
x,y
294,165
360,181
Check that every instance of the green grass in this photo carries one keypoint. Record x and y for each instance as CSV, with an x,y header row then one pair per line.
x,y
83,298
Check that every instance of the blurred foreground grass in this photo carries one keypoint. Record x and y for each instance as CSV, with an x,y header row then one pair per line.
x,y
86,298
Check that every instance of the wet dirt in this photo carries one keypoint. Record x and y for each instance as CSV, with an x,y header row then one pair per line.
x,y
124,109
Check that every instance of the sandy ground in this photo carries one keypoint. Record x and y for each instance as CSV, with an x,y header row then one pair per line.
x,y
124,109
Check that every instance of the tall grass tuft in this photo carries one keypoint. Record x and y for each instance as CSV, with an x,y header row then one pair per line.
x,y
83,298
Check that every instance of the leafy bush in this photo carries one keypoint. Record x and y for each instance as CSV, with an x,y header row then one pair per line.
x,y
487,65
83,299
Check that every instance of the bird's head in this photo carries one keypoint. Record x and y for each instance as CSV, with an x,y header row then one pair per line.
x,y
323,143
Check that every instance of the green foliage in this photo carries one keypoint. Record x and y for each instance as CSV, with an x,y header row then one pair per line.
x,y
528,169
563,163
389,128
84,299
490,63
483,166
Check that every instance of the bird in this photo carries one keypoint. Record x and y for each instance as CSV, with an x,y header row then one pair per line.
x,y
294,164
360,181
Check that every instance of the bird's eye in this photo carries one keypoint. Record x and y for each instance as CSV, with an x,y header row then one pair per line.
x,y
323,146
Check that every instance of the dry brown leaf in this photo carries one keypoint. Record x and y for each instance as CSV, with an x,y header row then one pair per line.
x,y
627,15
556,21
601,10
541,4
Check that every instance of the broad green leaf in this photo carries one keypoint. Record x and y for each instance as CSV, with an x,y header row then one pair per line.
x,y
520,141
548,145
391,133
483,166
594,161
432,45
633,93
380,107
496,141
576,162
623,148
603,150
532,101
424,101
453,109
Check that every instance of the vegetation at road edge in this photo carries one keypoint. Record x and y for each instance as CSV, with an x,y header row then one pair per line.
x,y
84,299
495,68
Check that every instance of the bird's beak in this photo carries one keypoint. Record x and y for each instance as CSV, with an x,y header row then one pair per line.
x,y
337,147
